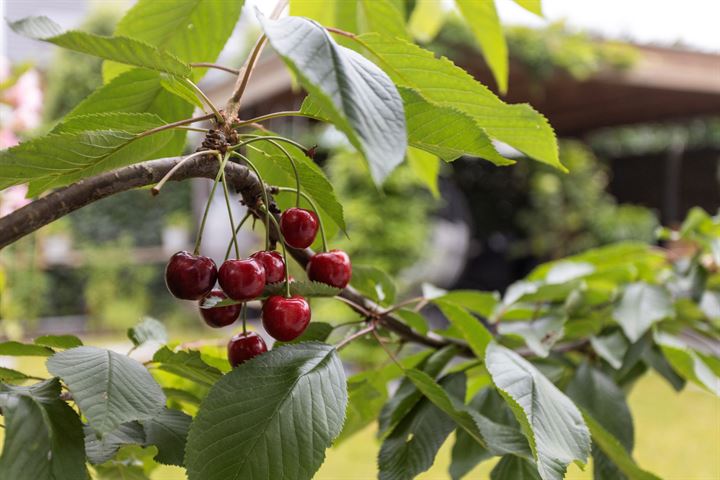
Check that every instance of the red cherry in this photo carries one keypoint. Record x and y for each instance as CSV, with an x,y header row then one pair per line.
x,y
299,227
285,318
273,264
244,346
217,317
242,279
189,276
332,268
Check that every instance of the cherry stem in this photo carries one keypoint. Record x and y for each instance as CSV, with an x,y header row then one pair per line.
x,y
284,249
358,334
249,66
257,138
404,303
227,203
315,209
243,307
237,229
357,307
179,123
156,189
265,197
341,32
234,71
198,240
218,115
194,129
294,167
270,116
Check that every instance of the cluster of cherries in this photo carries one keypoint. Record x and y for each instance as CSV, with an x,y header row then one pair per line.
x,y
192,277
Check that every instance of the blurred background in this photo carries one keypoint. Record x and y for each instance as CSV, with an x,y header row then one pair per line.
x,y
631,88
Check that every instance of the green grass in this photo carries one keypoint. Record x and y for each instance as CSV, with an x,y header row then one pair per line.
x,y
677,438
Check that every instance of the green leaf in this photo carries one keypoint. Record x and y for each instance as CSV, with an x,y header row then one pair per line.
x,y
539,334
382,16
149,330
439,81
611,348
472,329
120,49
654,357
498,438
132,462
532,6
271,417
511,467
17,349
181,395
483,20
551,422
407,395
168,432
58,341
374,283
640,307
413,319
61,158
426,168
688,363
101,449
426,20
43,437
357,96
315,332
188,365
411,447
274,164
445,130
10,375
109,388
181,89
193,30
481,303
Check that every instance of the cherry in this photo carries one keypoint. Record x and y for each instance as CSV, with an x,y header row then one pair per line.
x,y
285,318
217,317
244,346
332,268
273,264
299,227
242,279
189,276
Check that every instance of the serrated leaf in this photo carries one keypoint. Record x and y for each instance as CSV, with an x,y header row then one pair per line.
x,y
188,365
640,307
551,422
61,158
193,30
110,388
315,332
314,183
611,348
271,417
474,332
374,283
17,349
43,437
181,89
149,330
168,432
539,334
10,375
411,447
439,81
511,467
446,131
483,20
120,49
101,449
58,341
358,97
688,363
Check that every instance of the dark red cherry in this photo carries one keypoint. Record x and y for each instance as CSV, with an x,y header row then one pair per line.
x,y
332,268
217,317
242,279
273,264
285,318
189,276
244,346
299,227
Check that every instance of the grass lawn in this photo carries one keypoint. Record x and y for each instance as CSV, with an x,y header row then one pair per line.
x,y
677,438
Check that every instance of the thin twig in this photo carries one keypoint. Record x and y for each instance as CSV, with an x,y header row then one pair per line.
x,y
198,90
358,334
234,71
156,189
404,303
357,307
341,32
